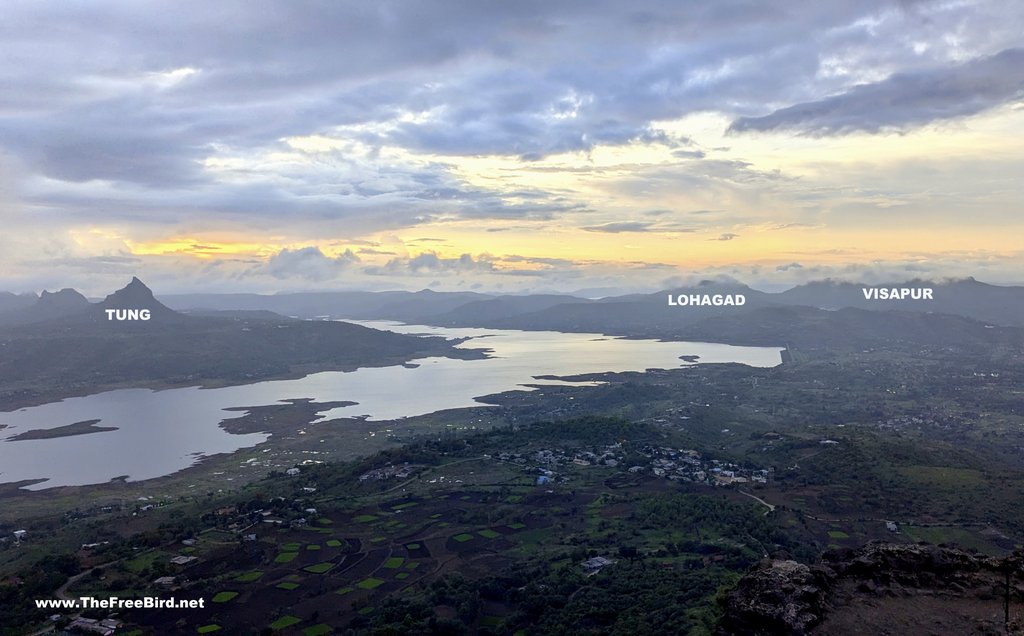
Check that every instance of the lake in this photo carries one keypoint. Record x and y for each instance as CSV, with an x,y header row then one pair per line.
x,y
161,432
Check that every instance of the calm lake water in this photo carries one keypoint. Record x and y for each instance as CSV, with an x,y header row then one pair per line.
x,y
161,432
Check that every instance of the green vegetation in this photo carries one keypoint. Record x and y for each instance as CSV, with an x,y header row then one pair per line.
x,y
145,560
319,568
370,583
964,537
929,447
317,630
223,597
208,629
285,622
249,577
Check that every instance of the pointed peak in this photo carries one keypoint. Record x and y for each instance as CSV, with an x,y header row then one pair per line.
x,y
136,286
134,295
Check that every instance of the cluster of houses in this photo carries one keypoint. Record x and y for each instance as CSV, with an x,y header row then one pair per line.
x,y
670,463
594,565
940,421
611,455
388,472
688,465
105,626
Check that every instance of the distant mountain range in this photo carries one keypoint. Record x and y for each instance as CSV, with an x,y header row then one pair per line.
x,y
825,313
993,304
63,345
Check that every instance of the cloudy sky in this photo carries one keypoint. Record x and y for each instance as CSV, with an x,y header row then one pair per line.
x,y
508,146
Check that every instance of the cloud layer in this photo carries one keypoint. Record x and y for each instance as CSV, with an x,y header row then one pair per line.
x,y
325,137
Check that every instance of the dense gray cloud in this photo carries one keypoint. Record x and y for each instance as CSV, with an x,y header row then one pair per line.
x,y
307,263
904,100
430,263
525,78
174,119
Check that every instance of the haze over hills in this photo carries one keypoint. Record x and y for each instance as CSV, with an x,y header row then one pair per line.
x,y
11,302
49,306
997,305
1003,305
850,328
83,351
397,305
823,314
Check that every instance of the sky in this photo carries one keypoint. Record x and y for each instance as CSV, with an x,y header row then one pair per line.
x,y
520,146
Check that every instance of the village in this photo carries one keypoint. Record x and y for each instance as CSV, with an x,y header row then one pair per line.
x,y
552,465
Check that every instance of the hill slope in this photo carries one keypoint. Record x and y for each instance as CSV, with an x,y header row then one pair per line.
x,y
85,352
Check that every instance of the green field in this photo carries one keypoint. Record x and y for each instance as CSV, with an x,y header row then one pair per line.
x,y
285,622
319,568
462,538
249,577
964,537
287,585
223,597
394,563
286,557
370,583
144,560
489,534
944,476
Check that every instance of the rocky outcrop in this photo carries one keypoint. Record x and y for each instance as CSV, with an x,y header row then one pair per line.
x,y
778,597
782,597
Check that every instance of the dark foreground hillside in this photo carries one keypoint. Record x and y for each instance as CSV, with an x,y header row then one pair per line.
x,y
881,588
